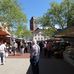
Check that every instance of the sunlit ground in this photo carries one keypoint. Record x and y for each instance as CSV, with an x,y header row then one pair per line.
x,y
47,66
15,66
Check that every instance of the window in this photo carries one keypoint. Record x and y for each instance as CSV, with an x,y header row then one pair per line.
x,y
38,38
35,38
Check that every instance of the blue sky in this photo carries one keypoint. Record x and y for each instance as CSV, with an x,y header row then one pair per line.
x,y
35,7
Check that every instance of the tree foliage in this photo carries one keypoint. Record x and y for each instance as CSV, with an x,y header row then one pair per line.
x,y
68,11
61,14
11,12
22,31
49,32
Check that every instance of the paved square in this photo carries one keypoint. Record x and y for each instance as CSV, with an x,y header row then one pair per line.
x,y
15,66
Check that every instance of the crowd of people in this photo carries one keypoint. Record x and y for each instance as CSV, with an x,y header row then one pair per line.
x,y
7,49
53,48
47,48
20,47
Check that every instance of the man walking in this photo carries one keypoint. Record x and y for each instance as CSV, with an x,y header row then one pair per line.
x,y
14,48
2,52
34,57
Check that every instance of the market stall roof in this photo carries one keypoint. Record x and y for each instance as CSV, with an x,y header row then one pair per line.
x,y
67,32
4,32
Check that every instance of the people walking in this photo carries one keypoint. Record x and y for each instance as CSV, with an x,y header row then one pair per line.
x,y
49,47
22,47
41,46
26,47
2,52
45,48
34,57
14,48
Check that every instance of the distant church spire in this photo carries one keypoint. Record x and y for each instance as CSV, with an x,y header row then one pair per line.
x,y
33,25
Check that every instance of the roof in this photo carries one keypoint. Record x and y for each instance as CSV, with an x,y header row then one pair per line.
x,y
69,31
3,32
37,30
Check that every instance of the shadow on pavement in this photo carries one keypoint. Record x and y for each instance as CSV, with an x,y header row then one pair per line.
x,y
53,66
29,70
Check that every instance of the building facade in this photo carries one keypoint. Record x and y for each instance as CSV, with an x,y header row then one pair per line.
x,y
38,35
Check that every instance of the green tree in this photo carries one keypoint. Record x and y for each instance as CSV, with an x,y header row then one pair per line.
x,y
61,14
27,34
19,31
49,32
68,11
55,15
48,27
22,32
11,12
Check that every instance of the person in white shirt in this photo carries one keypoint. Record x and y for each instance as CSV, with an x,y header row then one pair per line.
x,y
22,47
34,57
14,47
2,52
